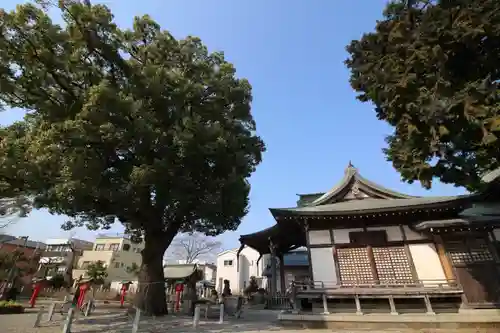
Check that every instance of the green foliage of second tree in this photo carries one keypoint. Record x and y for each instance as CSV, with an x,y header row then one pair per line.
x,y
431,70
128,125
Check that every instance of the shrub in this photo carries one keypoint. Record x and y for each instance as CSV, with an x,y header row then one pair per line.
x,y
10,307
57,281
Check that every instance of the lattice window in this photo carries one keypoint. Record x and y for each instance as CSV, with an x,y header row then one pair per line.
x,y
479,250
393,265
459,253
354,266
469,252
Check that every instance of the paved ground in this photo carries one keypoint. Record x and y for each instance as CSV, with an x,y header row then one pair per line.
x,y
111,320
120,323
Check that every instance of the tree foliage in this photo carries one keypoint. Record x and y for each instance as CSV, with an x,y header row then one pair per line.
x,y
431,70
133,269
125,124
194,246
18,261
97,271
11,209
58,281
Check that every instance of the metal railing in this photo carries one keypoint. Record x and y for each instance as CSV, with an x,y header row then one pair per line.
x,y
279,302
376,284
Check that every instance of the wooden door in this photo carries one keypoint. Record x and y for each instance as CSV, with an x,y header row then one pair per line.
x,y
355,266
393,265
477,270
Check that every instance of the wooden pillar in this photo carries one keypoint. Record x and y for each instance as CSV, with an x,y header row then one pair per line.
x,y
492,244
282,274
428,305
371,257
443,257
392,305
414,272
373,266
335,258
272,250
305,226
325,305
358,305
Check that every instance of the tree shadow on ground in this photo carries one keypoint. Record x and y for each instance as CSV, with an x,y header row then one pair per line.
x,y
266,322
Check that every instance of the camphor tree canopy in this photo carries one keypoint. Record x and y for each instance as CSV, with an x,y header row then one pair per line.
x,y
129,125
431,69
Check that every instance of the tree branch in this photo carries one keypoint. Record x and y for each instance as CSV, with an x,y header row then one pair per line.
x,y
192,247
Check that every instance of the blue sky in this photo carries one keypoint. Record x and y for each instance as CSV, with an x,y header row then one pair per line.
x,y
292,52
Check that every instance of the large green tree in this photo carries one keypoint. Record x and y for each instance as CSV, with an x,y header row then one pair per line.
x,y
129,125
431,69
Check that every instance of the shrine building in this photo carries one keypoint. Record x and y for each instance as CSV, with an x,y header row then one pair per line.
x,y
366,243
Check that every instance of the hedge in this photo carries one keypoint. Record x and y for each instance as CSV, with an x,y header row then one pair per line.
x,y
10,307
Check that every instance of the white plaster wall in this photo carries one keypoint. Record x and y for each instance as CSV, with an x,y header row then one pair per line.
x,y
323,266
427,263
247,267
252,256
226,272
393,232
341,236
319,237
413,235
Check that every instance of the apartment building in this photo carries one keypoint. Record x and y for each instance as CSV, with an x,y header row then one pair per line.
x,y
60,255
117,252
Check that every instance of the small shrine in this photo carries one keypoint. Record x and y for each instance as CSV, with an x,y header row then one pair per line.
x,y
367,242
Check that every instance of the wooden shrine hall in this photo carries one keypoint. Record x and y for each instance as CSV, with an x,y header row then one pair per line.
x,y
367,242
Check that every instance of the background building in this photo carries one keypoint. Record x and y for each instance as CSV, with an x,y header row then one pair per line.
x,y
30,252
60,255
227,269
296,268
117,253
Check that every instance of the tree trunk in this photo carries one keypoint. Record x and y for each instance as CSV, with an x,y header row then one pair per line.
x,y
151,298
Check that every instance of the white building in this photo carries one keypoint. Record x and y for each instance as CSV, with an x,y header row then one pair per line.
x,y
61,254
117,253
209,272
239,277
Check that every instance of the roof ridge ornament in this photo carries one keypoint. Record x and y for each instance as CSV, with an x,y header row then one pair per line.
x,y
350,166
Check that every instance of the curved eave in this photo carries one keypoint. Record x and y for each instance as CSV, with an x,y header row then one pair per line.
x,y
352,175
283,239
476,221
374,206
310,194
382,189
337,189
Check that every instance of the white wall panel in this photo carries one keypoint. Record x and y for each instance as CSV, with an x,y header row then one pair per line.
x,y
323,265
319,237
